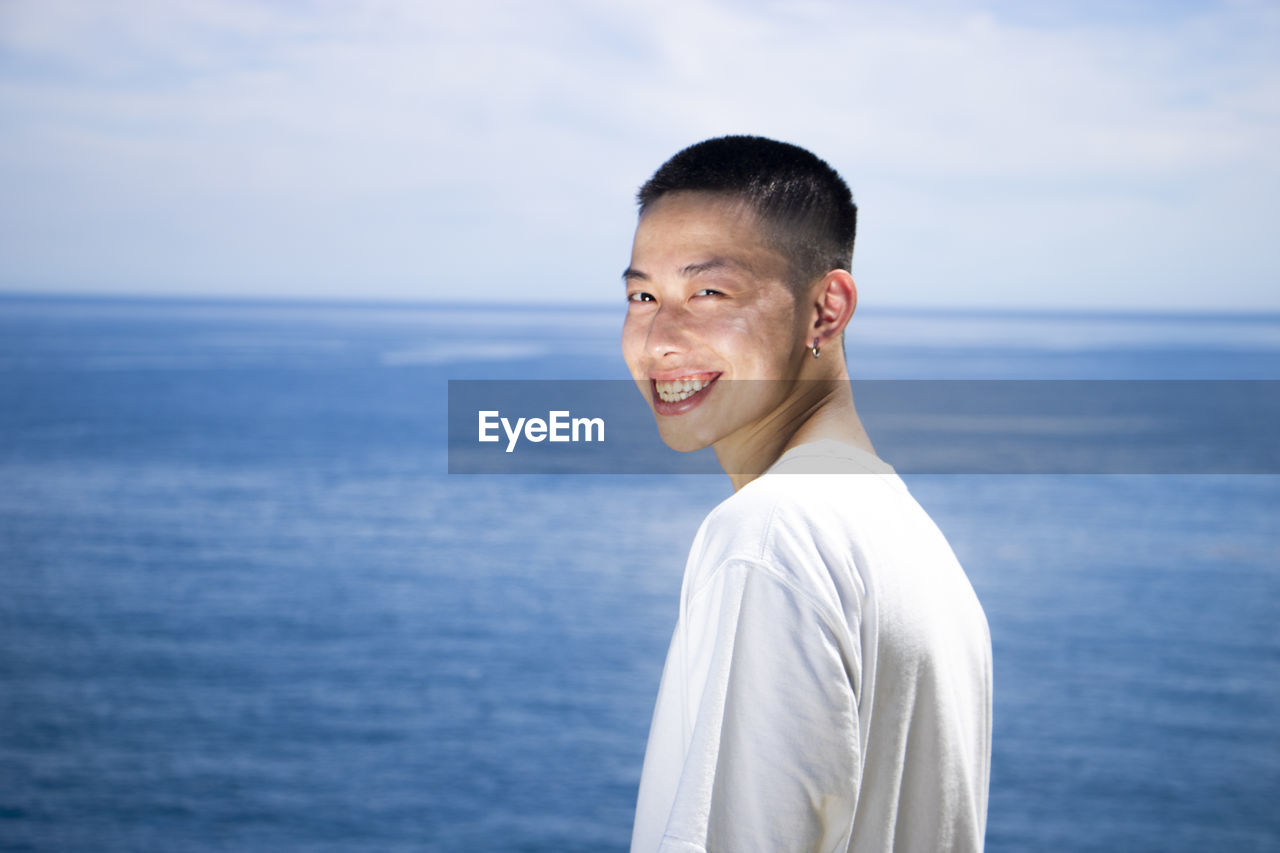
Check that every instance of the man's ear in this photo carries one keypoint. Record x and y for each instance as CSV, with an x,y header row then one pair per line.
x,y
834,299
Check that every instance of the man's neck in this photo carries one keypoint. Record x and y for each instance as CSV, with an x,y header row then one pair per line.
x,y
816,411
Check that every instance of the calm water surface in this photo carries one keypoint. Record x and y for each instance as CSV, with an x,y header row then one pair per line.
x,y
243,608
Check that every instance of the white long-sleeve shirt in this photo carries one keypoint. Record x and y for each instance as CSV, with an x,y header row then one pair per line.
x,y
828,683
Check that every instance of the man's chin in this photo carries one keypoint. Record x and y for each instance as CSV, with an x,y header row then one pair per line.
x,y
683,441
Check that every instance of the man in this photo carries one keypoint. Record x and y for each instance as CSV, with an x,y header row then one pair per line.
x,y
828,684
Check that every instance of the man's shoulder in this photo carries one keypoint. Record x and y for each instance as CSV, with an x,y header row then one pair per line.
x,y
823,509
808,487
805,517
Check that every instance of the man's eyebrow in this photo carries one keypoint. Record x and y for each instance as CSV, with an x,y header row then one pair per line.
x,y
691,270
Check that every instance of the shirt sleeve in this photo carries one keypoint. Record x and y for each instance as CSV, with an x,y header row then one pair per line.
x,y
773,762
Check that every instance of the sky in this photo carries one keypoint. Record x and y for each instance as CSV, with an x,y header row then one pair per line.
x,y
1079,155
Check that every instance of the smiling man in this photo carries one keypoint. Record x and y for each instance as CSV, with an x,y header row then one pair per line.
x,y
828,684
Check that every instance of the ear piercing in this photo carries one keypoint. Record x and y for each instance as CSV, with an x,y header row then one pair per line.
x,y
815,347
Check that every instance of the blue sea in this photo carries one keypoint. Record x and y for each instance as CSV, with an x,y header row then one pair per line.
x,y
244,607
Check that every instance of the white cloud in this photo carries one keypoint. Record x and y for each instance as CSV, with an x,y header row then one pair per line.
x,y
489,150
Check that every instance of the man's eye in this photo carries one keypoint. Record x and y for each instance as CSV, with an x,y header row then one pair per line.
x,y
708,291
640,296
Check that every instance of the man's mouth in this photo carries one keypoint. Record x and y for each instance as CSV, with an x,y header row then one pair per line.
x,y
673,396
675,390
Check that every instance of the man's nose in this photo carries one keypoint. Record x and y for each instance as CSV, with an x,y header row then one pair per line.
x,y
668,333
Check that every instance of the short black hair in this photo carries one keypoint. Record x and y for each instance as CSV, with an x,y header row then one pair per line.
x,y
802,202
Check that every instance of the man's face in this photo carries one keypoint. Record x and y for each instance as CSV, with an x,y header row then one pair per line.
x,y
708,301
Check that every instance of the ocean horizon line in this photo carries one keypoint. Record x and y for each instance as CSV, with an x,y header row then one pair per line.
x,y
384,303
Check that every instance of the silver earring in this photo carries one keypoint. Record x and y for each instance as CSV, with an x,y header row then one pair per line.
x,y
815,347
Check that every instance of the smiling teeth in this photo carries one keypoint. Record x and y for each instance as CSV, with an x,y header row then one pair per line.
x,y
680,389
